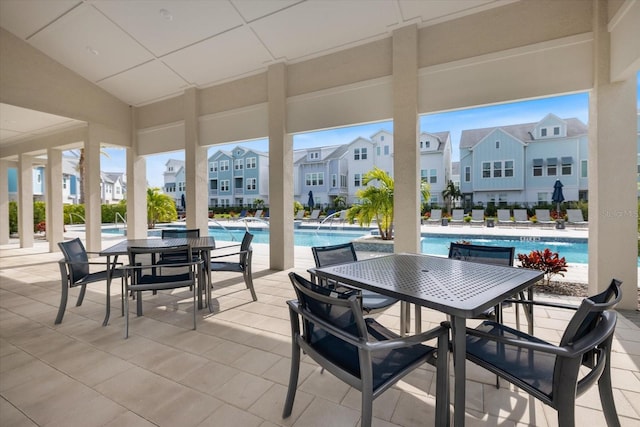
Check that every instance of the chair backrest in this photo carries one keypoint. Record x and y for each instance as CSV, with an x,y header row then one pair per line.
x,y
589,312
340,314
436,214
543,215
477,214
520,215
157,256
325,256
76,256
315,214
497,255
176,233
575,215
258,214
457,214
504,215
245,246
300,214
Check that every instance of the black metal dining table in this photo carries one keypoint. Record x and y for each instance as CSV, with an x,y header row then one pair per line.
x,y
204,245
460,289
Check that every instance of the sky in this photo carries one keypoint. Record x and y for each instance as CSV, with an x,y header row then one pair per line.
x,y
566,106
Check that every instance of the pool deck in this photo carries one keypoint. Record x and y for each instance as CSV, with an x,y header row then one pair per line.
x,y
233,370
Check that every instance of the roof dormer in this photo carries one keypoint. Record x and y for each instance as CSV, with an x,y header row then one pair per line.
x,y
551,126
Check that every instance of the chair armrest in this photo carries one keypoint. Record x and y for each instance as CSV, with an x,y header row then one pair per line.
x,y
227,255
172,265
541,303
542,347
90,263
437,332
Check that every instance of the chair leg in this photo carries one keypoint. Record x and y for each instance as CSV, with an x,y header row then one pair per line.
x,y
367,410
606,397
83,289
293,379
63,303
195,290
126,311
249,283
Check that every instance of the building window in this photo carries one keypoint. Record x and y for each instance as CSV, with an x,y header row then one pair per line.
x,y
334,180
213,203
169,168
537,167
356,154
542,198
427,144
314,155
213,167
497,144
467,174
238,164
251,163
433,176
386,152
486,169
343,181
356,180
556,130
381,137
224,165
363,152
567,163
224,185
497,169
378,150
584,169
64,183
543,132
552,166
213,184
508,168
251,183
316,178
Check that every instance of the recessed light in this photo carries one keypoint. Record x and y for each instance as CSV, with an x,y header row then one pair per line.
x,y
166,15
92,51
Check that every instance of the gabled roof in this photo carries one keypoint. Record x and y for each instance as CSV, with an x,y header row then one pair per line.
x,y
470,137
442,138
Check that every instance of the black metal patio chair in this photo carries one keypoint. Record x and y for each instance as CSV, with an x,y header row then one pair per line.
x,y
75,270
556,375
145,274
241,265
359,351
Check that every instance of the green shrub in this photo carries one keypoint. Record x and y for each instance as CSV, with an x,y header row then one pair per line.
x,y
73,214
13,217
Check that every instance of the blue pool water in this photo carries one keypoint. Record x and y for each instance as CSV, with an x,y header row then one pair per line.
x,y
574,250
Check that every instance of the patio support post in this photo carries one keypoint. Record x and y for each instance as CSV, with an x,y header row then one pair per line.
x,y
4,201
92,193
53,181
280,171
136,186
612,171
25,200
196,170
406,162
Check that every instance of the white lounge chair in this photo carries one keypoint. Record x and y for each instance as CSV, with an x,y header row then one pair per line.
x,y
457,216
574,216
477,217
435,217
504,217
543,217
520,216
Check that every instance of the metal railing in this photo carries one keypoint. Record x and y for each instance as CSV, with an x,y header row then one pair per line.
x,y
71,214
124,221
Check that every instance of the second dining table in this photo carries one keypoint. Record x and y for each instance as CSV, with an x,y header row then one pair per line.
x,y
204,245
460,289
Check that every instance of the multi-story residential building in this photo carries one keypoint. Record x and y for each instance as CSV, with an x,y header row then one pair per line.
x,y
112,187
173,187
238,177
520,163
435,163
322,170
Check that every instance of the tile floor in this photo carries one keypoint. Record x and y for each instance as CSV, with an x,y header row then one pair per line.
x,y
231,371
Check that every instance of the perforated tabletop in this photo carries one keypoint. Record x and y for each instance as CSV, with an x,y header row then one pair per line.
x,y
459,288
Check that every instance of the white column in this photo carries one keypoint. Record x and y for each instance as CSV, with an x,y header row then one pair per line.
x,y
55,219
25,200
136,186
280,171
612,173
196,171
92,199
4,201
406,162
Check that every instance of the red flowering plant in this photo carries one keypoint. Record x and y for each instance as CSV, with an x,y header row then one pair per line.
x,y
546,261
41,227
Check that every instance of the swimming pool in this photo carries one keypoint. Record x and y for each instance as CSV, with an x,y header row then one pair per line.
x,y
574,250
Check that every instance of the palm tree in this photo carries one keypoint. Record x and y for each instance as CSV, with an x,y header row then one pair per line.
x,y
81,170
377,202
160,207
451,193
